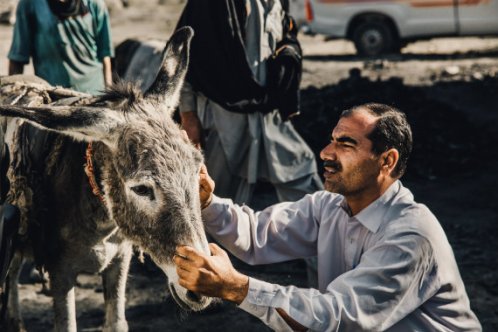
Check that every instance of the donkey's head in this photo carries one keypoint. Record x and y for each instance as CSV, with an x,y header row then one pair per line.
x,y
150,172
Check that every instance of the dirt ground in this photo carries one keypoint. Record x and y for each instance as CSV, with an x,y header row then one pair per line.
x,y
449,90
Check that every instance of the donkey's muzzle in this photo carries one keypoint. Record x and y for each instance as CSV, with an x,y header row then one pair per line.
x,y
194,297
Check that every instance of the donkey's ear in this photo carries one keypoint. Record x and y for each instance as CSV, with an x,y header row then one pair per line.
x,y
168,83
79,122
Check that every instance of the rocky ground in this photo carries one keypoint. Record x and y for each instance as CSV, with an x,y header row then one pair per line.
x,y
447,87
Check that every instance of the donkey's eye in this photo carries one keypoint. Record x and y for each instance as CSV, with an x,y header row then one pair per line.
x,y
142,190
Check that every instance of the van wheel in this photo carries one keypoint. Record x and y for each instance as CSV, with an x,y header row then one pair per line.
x,y
375,37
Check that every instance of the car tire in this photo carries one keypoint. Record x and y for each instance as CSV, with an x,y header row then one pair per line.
x,y
375,37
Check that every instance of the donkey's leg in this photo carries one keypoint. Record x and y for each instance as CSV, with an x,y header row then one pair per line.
x,y
62,285
114,281
14,320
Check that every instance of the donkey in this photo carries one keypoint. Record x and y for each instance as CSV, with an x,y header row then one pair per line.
x,y
144,176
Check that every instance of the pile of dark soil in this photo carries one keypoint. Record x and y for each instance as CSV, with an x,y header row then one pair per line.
x,y
446,140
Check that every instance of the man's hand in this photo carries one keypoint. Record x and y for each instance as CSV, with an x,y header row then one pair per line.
x,y
206,187
192,125
210,275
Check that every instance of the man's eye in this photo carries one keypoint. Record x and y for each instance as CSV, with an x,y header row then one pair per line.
x,y
347,145
145,191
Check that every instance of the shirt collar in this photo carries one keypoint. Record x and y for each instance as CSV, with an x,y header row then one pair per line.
x,y
373,215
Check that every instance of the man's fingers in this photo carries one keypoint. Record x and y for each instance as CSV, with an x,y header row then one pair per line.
x,y
186,252
182,274
190,254
182,263
203,169
204,178
186,282
216,250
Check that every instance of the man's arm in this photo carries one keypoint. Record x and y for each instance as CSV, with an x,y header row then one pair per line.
x,y
394,277
281,232
392,280
107,70
210,275
15,67
22,38
190,274
103,39
188,115
215,276
192,125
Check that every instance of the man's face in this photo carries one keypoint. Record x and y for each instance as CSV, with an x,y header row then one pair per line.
x,y
351,167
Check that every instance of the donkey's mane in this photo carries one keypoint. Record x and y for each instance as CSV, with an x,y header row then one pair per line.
x,y
120,91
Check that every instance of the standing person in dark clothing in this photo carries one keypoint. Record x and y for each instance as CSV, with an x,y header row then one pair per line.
x,y
224,105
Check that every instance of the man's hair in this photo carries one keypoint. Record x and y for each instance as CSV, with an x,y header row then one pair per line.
x,y
391,131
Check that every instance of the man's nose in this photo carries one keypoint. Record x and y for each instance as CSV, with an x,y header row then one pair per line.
x,y
328,152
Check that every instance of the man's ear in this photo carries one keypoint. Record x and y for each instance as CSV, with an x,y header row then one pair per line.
x,y
389,160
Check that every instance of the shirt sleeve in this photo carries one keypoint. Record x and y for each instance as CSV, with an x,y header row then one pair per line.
x,y
103,31
281,232
22,39
392,280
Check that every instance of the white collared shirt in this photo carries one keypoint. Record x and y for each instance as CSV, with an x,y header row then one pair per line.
x,y
390,267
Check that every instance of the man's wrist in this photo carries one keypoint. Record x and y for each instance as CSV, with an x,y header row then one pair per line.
x,y
207,202
238,291
188,115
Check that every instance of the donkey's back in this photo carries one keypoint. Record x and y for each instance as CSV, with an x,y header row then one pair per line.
x,y
65,226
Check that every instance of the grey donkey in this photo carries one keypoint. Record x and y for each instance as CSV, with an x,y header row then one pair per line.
x,y
145,187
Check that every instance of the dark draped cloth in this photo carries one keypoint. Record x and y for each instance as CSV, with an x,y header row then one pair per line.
x,y
218,64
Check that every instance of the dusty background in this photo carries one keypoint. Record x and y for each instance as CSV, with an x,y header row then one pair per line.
x,y
449,90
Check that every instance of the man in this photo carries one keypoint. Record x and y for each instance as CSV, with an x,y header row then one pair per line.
x,y
384,262
251,145
69,42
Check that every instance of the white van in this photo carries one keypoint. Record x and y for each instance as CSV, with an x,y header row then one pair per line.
x,y
378,27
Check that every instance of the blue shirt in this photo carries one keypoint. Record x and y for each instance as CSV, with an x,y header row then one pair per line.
x,y
389,267
65,52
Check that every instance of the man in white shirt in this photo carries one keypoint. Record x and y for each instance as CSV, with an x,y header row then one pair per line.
x,y
384,262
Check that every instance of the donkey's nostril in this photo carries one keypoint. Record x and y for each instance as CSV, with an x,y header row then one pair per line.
x,y
194,297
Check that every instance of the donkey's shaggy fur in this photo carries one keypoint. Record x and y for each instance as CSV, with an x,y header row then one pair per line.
x,y
148,176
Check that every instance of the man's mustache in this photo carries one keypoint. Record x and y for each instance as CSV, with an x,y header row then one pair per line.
x,y
332,164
